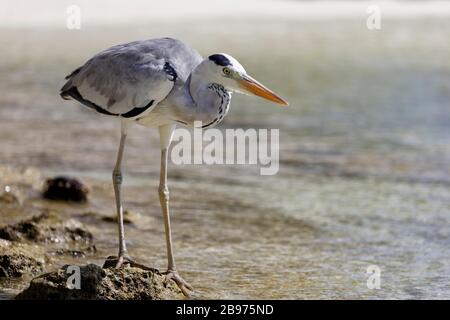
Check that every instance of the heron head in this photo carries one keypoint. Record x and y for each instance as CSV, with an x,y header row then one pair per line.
x,y
228,72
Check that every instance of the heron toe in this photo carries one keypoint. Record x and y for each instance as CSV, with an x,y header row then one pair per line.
x,y
181,283
118,262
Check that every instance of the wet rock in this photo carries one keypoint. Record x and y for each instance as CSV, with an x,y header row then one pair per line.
x,y
14,265
97,283
128,217
47,228
65,189
15,262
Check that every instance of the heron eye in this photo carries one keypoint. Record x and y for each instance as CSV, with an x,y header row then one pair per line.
x,y
226,71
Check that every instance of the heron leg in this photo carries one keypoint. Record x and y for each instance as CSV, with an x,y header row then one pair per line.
x,y
117,182
172,273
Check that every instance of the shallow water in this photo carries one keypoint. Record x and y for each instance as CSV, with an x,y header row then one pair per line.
x,y
364,159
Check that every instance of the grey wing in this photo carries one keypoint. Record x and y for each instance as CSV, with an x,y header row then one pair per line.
x,y
130,79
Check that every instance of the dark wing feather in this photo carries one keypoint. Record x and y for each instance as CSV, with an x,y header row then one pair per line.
x,y
131,78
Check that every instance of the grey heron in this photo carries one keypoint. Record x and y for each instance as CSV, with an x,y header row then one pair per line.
x,y
159,83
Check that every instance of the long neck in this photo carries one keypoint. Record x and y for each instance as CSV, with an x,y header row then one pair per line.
x,y
198,84
211,100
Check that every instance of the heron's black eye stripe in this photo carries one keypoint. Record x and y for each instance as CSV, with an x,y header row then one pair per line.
x,y
220,60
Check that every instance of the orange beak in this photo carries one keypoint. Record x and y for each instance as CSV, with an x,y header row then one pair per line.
x,y
253,86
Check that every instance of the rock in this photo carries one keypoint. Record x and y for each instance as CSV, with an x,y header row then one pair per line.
x,y
27,246
65,189
47,228
15,262
13,265
114,220
96,283
128,217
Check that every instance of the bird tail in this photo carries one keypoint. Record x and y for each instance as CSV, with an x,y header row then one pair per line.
x,y
66,91
65,96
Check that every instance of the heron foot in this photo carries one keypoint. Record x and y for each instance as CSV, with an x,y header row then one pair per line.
x,y
121,260
181,283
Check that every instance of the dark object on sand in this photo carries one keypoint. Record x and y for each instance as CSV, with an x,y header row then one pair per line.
x,y
47,228
92,282
14,265
65,189
14,262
